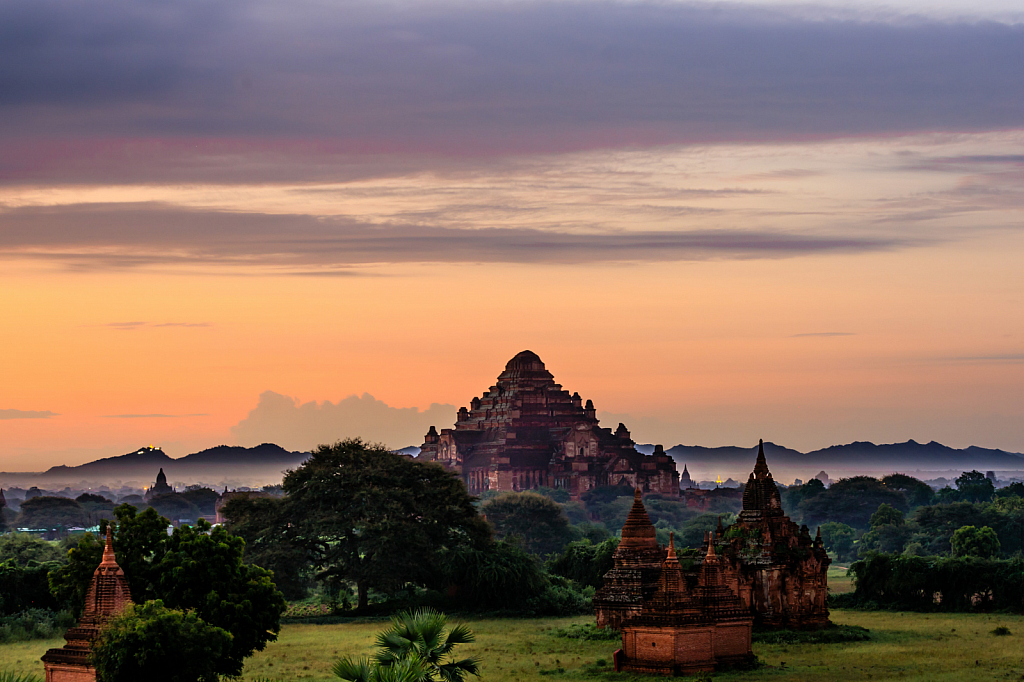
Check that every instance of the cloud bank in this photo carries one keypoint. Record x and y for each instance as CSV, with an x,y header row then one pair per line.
x,y
27,414
129,235
452,79
302,426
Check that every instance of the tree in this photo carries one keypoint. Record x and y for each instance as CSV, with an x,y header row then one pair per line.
x,y
974,487
838,537
937,523
918,493
851,501
21,548
1015,489
886,515
497,575
204,499
366,515
154,643
415,642
263,524
585,563
174,506
977,542
196,568
537,520
51,512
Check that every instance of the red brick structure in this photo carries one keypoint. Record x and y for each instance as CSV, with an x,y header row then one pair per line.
x,y
526,432
668,625
633,580
107,596
781,572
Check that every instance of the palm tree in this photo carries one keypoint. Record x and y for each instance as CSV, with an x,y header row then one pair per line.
x,y
414,648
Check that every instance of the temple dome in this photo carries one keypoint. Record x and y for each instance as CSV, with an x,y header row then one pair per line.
x,y
525,361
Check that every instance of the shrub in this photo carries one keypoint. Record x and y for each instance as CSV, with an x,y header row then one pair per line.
x,y
151,642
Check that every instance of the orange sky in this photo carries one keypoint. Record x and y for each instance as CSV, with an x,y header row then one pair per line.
x,y
916,330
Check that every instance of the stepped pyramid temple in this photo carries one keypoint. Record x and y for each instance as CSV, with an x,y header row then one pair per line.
x,y
526,432
762,569
106,596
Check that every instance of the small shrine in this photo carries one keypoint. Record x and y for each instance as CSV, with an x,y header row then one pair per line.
x,y
106,597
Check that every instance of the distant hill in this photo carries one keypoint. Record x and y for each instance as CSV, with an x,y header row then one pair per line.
x,y
238,465
846,460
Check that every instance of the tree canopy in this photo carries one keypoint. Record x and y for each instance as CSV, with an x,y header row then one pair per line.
x,y
366,515
154,643
51,512
973,486
536,520
851,501
976,542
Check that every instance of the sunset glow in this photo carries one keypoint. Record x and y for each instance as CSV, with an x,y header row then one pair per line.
x,y
709,259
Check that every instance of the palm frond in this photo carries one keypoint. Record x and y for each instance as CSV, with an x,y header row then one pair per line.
x,y
353,670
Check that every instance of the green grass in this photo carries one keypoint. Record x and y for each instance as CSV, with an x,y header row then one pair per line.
x,y
903,646
839,581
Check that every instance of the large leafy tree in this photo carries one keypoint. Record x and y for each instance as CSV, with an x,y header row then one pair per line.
x,y
419,647
263,524
973,486
199,569
851,501
51,512
536,520
918,493
977,542
366,515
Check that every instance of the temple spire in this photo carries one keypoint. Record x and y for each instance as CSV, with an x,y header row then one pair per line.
x,y
711,547
108,550
761,466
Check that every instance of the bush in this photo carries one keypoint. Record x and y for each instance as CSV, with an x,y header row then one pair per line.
x,y
34,624
836,634
157,644
561,598
589,632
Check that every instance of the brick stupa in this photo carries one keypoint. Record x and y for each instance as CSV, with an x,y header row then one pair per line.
x,y
107,596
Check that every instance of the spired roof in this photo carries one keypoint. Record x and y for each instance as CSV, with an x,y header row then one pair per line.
x,y
761,495
638,529
108,592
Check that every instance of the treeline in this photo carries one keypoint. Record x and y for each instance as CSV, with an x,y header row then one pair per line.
x,y
57,514
911,583
900,514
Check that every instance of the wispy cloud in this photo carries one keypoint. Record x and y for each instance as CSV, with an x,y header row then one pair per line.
x,y
132,326
27,414
995,358
154,416
824,334
99,237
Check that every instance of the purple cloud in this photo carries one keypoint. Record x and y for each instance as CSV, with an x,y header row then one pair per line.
x,y
478,78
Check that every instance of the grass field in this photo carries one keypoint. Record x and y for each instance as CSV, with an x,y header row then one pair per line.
x,y
904,646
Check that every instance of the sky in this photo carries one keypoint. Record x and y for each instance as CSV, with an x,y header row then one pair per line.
x,y
236,222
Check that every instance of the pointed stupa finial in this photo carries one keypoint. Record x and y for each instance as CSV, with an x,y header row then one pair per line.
x,y
108,549
638,495
818,537
711,547
761,467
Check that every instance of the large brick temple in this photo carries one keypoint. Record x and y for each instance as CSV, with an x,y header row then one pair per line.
x,y
763,570
527,431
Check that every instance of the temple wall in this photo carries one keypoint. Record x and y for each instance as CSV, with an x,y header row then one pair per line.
x,y
68,673
732,640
